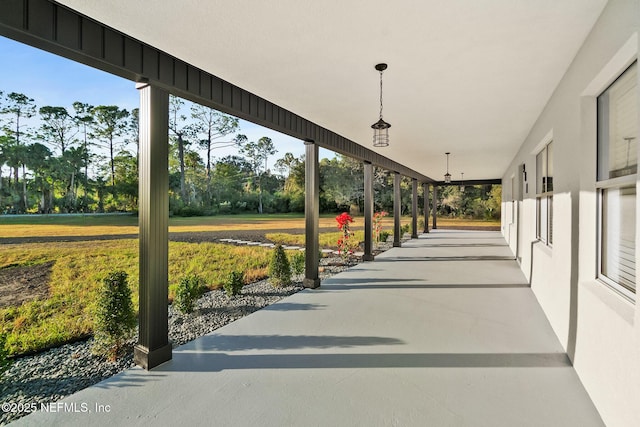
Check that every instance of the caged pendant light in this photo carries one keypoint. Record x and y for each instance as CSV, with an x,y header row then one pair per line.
x,y
447,176
381,128
462,182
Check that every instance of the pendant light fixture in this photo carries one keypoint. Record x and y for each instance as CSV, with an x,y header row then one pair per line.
x,y
462,182
381,128
447,176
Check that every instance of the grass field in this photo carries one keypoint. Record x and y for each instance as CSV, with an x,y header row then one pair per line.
x,y
77,267
327,240
96,225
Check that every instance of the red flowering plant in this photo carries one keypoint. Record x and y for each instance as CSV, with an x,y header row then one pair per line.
x,y
377,224
345,245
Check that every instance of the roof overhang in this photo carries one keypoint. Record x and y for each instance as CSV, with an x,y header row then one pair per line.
x,y
465,77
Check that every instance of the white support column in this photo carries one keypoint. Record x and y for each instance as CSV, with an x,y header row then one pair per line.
x,y
397,200
153,346
312,215
368,212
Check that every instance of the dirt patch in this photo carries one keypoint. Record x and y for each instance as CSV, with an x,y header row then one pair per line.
x,y
24,283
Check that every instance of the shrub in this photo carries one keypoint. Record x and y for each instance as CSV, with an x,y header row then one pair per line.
x,y
279,268
384,235
345,243
234,283
188,291
377,224
405,228
297,262
189,211
115,320
4,361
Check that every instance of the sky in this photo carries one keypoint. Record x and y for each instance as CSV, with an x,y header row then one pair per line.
x,y
52,80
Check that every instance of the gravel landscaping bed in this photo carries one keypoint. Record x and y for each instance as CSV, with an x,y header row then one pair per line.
x,y
59,372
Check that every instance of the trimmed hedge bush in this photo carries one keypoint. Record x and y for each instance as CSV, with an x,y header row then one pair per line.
x,y
234,283
188,291
115,319
297,262
279,268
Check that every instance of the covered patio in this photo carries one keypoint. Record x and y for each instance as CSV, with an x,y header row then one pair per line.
x,y
443,331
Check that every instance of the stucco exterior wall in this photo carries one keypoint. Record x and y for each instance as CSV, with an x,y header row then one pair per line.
x,y
599,328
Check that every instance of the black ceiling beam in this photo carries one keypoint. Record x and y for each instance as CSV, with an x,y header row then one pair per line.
x,y
55,28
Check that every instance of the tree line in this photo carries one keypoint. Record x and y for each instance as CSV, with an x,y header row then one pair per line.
x,y
55,159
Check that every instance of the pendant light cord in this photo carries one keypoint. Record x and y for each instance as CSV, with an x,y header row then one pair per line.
x,y
380,95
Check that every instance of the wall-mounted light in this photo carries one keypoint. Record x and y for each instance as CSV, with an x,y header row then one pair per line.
x,y
381,128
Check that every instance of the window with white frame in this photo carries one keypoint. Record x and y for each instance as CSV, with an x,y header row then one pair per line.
x,y
544,194
616,182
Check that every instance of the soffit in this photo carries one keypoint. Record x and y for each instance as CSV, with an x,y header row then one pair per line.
x,y
468,77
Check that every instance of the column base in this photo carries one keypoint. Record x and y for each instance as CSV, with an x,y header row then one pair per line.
x,y
414,236
311,283
397,244
368,257
149,359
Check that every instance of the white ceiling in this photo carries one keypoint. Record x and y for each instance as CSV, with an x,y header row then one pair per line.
x,y
465,76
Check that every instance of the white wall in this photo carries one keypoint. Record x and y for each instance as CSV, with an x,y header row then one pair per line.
x,y
599,328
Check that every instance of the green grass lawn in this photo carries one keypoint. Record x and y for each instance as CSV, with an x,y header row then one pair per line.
x,y
327,240
78,267
95,225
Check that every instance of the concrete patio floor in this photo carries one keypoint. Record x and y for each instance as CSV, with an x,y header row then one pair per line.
x,y
442,332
